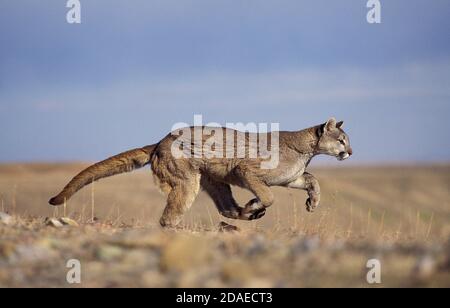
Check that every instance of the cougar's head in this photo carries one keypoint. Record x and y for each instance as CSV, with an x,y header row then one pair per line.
x,y
333,140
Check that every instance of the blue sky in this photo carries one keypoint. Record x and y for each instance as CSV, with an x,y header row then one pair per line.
x,y
132,69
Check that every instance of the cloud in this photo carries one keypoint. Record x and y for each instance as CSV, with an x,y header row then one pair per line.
x,y
399,84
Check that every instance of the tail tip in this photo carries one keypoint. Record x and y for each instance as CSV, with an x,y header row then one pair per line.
x,y
56,201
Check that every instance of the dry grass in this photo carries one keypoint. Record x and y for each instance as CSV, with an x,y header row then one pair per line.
x,y
398,214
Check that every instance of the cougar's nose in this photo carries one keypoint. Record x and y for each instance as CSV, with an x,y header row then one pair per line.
x,y
350,151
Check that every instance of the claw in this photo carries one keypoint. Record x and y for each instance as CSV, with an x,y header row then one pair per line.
x,y
309,206
253,210
258,214
253,205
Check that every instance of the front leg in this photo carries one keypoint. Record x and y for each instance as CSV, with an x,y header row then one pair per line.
x,y
309,183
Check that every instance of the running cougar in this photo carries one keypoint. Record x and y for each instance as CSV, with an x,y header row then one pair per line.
x,y
181,178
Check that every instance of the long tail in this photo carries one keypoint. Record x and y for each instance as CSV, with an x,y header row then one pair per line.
x,y
121,163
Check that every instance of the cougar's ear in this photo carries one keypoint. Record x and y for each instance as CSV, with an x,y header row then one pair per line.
x,y
340,124
330,125
319,131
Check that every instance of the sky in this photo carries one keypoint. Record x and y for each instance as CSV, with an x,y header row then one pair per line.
x,y
132,69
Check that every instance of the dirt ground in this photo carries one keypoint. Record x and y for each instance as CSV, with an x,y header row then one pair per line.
x,y
399,215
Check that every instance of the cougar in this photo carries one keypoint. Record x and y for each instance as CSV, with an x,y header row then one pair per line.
x,y
181,178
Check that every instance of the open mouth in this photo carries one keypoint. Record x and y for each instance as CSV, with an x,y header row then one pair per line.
x,y
343,156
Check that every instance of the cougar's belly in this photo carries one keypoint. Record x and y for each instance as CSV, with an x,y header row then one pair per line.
x,y
285,174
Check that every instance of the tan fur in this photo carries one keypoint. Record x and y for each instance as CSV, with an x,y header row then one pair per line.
x,y
124,162
181,178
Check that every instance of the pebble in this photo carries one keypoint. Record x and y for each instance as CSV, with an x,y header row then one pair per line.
x,y
53,222
424,267
109,252
258,245
6,219
61,222
224,227
185,252
34,253
305,245
68,222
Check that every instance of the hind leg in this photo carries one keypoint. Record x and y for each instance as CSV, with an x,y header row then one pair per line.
x,y
225,203
250,180
179,200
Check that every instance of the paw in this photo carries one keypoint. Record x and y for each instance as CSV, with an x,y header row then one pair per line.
x,y
311,204
252,210
257,214
252,215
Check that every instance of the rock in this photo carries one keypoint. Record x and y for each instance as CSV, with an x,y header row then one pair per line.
x,y
424,268
53,222
7,249
142,258
154,279
109,252
259,283
68,222
34,253
139,239
224,227
185,252
305,245
237,270
257,246
6,219
61,222
197,277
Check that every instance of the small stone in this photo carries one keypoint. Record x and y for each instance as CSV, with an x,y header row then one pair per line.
x,y
237,270
6,219
259,283
424,268
34,253
53,222
305,245
109,252
185,252
136,239
154,279
141,258
257,245
195,277
224,227
7,249
68,222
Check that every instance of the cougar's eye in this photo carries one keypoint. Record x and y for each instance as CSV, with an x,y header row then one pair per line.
x,y
341,141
